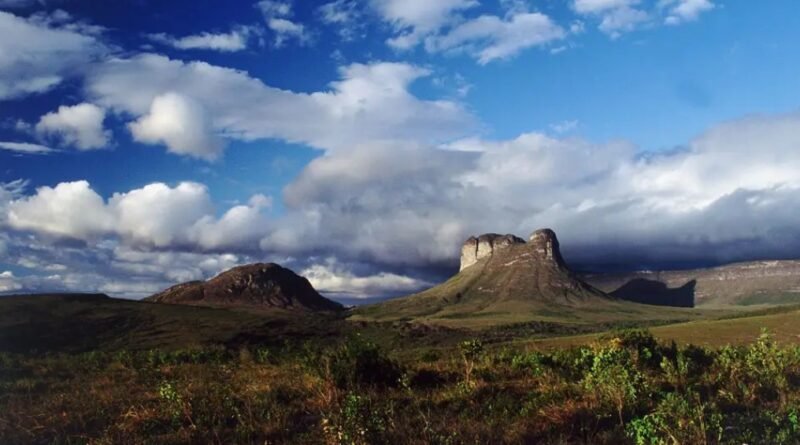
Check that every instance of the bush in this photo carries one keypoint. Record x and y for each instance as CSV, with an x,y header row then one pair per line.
x,y
471,352
614,379
358,363
532,362
357,422
641,343
678,420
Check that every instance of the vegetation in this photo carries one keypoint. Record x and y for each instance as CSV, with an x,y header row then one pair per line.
x,y
623,387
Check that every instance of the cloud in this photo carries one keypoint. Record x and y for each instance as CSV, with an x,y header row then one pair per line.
x,y
80,126
622,16
58,18
278,16
239,226
370,102
681,11
489,38
622,20
154,216
413,20
600,6
271,8
180,123
159,215
39,57
332,278
390,204
616,16
364,219
346,16
13,4
8,282
397,206
286,30
25,147
117,270
70,209
565,126
233,41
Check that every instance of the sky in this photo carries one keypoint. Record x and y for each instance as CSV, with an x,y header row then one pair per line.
x,y
360,142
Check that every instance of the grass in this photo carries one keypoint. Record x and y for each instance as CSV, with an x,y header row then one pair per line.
x,y
624,388
75,323
82,369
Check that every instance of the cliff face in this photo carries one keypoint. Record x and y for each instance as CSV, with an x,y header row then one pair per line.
x,y
254,285
484,246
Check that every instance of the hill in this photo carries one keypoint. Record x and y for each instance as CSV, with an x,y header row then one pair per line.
x,y
504,279
744,284
253,285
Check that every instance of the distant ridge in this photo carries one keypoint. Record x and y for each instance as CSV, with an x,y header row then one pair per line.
x,y
745,283
261,285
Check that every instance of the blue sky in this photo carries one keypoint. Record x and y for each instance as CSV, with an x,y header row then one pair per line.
x,y
359,142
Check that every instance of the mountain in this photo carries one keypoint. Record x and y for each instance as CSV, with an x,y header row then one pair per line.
x,y
504,279
254,285
749,283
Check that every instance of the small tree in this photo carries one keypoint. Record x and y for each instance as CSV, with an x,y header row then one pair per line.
x,y
471,352
614,378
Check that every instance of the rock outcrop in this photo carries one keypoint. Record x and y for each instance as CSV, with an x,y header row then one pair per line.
x,y
254,285
475,249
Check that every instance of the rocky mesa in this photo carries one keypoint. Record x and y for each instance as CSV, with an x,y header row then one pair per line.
x,y
502,277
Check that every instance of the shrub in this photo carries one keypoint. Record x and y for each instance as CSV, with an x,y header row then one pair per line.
x,y
429,356
471,352
358,363
172,400
357,422
641,343
759,372
532,362
615,379
678,420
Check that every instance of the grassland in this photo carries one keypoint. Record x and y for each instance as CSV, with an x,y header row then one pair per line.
x,y
93,370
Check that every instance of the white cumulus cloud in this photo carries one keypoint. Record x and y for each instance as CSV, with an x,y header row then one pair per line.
x,y
70,209
180,123
80,126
